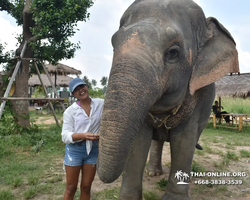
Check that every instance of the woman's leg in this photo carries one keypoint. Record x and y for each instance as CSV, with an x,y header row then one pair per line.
x,y
72,175
88,174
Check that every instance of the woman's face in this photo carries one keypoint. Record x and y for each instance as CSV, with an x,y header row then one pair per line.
x,y
81,92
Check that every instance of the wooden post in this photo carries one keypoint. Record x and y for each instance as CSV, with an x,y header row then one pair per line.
x,y
240,123
47,73
214,120
12,79
46,94
220,104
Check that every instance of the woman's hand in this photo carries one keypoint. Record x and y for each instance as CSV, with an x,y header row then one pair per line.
x,y
91,136
85,136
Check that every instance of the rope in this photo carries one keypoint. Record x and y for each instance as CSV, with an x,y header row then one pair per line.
x,y
160,121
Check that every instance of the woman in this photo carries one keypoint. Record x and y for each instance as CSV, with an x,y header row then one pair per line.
x,y
81,124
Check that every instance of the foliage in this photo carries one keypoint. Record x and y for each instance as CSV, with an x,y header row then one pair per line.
x,y
7,123
236,105
104,81
7,195
196,167
53,23
39,91
96,93
232,156
5,5
245,153
111,193
162,184
149,195
87,81
56,21
93,82
4,56
47,26
9,127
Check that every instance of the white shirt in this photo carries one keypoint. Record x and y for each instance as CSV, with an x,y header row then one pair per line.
x,y
75,120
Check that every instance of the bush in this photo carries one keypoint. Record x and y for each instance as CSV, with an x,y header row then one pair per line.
x,y
7,195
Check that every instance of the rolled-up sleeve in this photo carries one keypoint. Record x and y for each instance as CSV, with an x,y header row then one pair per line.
x,y
68,127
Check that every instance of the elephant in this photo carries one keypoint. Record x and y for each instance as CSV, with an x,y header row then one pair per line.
x,y
167,56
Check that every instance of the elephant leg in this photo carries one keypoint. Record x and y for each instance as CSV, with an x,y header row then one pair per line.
x,y
182,144
154,166
131,187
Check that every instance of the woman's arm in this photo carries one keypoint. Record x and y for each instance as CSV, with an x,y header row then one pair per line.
x,y
68,131
85,136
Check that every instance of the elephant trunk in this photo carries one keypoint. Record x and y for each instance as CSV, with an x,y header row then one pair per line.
x,y
126,104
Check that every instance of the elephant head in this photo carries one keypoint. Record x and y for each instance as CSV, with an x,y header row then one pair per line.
x,y
162,48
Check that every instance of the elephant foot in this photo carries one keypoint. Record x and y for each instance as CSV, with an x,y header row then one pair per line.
x,y
154,171
169,196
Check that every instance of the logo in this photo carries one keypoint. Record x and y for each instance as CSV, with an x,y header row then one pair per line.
x,y
182,177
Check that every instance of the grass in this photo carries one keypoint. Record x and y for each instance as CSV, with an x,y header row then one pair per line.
x,y
112,193
31,163
162,184
151,195
223,147
245,154
26,163
236,105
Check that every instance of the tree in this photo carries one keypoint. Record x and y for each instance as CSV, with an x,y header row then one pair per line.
x,y
104,83
93,82
87,81
4,56
47,27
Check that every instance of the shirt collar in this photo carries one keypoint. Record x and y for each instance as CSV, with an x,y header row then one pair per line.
x,y
76,106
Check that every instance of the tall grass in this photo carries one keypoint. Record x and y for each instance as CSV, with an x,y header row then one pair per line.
x,y
235,105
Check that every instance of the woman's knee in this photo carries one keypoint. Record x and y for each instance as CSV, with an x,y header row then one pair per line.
x,y
71,189
85,188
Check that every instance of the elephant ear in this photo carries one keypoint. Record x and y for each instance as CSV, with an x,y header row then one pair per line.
x,y
216,58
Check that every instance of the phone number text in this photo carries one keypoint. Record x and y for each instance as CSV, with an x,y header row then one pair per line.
x,y
218,182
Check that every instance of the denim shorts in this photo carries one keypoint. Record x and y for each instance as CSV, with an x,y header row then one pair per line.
x,y
76,154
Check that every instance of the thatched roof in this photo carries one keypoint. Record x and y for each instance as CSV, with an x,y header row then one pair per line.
x,y
62,81
62,69
236,85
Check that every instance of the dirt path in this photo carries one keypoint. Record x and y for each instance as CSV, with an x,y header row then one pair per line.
x,y
208,160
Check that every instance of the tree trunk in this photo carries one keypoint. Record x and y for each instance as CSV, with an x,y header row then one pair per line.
x,y
21,108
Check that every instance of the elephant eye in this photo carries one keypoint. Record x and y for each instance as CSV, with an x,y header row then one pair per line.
x,y
172,54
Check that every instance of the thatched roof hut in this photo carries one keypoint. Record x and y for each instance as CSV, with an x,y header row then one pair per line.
x,y
235,85
61,69
62,81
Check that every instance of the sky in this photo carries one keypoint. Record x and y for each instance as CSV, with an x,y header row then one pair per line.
x,y
94,58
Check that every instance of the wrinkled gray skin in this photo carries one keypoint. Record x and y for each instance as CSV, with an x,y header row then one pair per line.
x,y
167,56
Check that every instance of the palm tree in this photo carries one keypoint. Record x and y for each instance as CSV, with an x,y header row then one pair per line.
x,y
185,176
93,82
88,83
104,81
178,174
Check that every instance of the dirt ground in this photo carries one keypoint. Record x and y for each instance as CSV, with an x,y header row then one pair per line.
x,y
197,192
